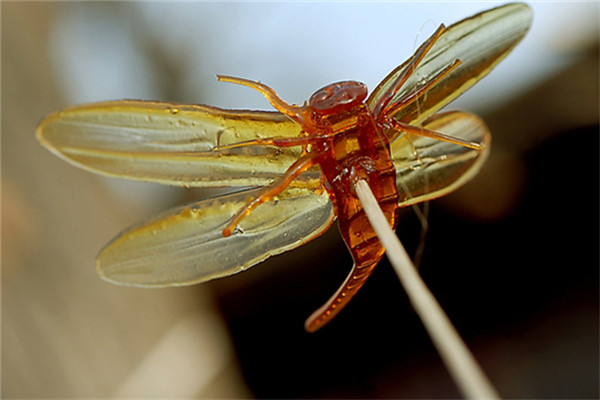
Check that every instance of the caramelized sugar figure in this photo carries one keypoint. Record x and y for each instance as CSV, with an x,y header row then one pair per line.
x,y
348,144
305,161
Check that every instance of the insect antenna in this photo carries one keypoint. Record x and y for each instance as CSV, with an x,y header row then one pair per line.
x,y
422,213
423,217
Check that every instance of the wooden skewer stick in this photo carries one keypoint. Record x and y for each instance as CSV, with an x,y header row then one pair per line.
x,y
461,364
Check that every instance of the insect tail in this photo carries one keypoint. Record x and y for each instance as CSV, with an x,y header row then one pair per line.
x,y
355,280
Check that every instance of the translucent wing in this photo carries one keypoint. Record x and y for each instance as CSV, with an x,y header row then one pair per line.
x,y
185,246
428,168
170,143
479,42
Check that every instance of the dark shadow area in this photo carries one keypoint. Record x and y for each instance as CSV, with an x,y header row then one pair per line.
x,y
521,286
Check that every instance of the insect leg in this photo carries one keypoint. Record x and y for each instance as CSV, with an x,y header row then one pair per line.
x,y
294,112
275,142
396,127
391,109
408,70
279,185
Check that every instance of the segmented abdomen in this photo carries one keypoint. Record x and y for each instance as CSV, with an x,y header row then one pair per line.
x,y
372,163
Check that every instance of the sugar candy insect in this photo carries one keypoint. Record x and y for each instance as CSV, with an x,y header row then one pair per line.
x,y
302,160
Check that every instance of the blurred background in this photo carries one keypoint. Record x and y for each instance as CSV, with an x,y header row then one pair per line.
x,y
512,256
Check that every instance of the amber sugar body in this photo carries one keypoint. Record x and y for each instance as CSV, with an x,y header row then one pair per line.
x,y
355,149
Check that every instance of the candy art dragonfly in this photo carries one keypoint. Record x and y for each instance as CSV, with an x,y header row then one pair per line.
x,y
302,161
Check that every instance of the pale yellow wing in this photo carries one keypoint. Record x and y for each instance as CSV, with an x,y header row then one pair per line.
x,y
428,168
479,42
184,246
172,143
